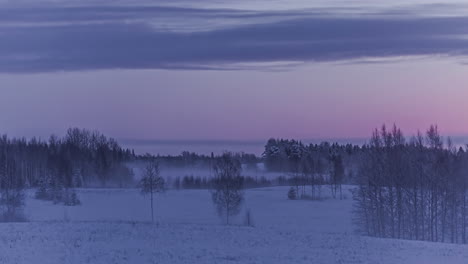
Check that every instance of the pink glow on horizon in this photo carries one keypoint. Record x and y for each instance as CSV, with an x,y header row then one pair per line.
x,y
313,101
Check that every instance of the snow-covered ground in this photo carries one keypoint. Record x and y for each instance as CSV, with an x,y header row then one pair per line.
x,y
112,226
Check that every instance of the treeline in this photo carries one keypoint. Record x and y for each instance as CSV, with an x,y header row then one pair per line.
x,y
199,161
197,182
81,158
413,189
293,156
313,165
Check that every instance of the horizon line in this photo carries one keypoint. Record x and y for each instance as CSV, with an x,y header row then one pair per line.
x,y
351,140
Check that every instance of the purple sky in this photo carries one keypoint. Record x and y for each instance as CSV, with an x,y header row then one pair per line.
x,y
245,71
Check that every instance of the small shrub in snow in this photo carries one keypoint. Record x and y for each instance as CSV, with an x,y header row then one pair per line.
x,y
12,205
50,190
70,198
292,194
42,193
58,195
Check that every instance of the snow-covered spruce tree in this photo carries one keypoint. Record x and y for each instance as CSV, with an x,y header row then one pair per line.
x,y
56,191
43,190
227,192
152,182
292,195
70,198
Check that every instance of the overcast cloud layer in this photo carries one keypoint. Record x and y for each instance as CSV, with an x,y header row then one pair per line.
x,y
155,35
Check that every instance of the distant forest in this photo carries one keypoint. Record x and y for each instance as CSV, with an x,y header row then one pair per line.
x,y
412,188
80,158
84,158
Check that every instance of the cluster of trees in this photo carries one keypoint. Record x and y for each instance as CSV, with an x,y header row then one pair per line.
x,y
226,186
80,159
285,155
11,187
193,160
414,189
313,165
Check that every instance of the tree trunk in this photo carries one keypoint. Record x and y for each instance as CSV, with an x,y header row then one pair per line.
x,y
152,210
227,216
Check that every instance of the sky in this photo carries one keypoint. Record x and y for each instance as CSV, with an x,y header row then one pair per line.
x,y
232,70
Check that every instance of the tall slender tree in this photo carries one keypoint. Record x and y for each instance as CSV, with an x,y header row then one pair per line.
x,y
152,183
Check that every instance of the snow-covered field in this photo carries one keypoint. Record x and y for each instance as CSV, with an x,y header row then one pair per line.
x,y
112,226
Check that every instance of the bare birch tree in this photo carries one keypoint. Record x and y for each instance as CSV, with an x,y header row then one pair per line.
x,y
227,192
152,183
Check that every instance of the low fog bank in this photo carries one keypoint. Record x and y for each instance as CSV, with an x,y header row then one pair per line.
x,y
168,172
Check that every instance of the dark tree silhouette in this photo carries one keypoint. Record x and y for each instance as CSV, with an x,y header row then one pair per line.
x,y
227,192
414,190
152,183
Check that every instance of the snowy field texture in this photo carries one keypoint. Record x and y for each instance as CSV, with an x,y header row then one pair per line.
x,y
112,226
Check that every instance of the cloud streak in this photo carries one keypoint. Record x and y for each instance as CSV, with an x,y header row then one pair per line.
x,y
119,37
